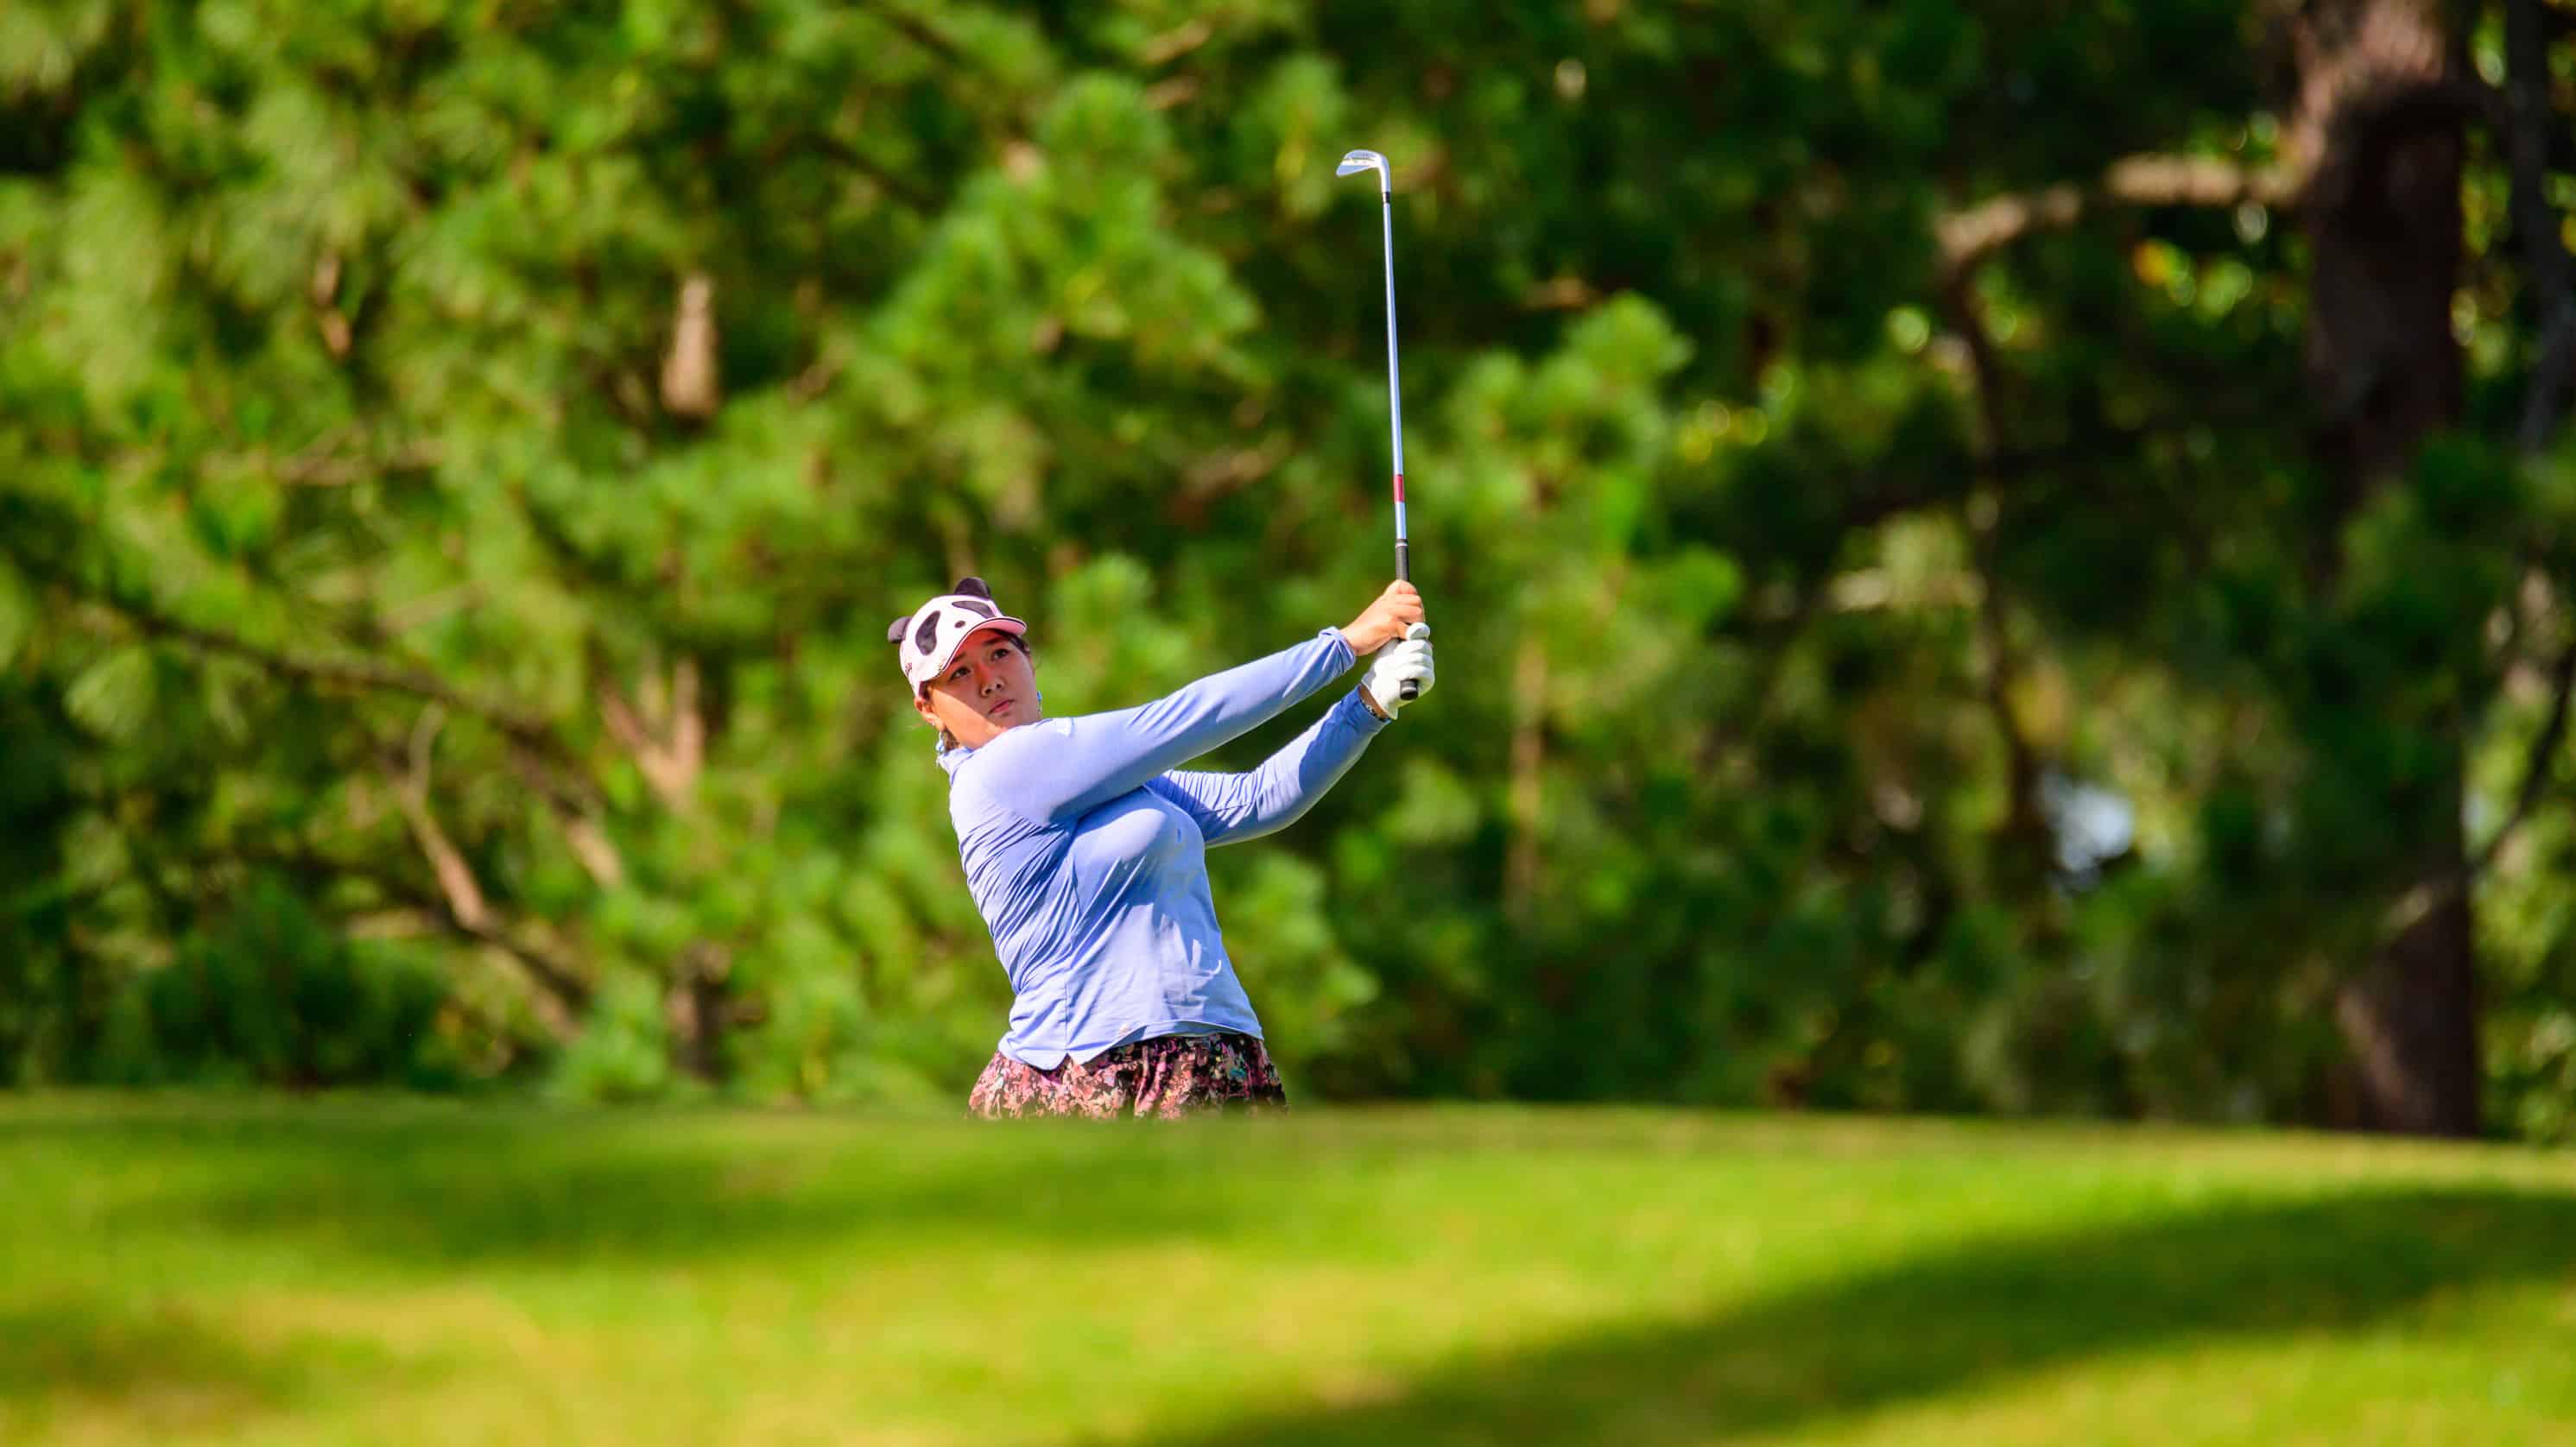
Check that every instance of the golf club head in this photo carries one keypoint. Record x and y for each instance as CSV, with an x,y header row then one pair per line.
x,y
1358,161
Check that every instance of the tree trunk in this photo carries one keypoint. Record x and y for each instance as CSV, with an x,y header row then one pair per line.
x,y
697,1011
2381,130
2411,1022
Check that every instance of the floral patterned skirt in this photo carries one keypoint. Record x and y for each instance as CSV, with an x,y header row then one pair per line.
x,y
1167,1076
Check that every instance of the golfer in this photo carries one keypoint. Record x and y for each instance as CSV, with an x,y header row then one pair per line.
x,y
1085,848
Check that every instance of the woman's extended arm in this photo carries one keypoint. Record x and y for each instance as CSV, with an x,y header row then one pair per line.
x,y
1231,808
1057,769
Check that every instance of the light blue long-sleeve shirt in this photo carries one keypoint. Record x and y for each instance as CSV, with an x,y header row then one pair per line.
x,y
1088,856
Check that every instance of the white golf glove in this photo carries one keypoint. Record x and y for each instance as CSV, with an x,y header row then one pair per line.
x,y
1397,662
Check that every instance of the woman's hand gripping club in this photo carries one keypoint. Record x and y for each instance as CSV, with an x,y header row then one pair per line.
x,y
1394,629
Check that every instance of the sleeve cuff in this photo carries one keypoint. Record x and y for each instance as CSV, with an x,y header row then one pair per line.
x,y
1355,714
1341,650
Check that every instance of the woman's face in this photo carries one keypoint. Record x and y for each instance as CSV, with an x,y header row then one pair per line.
x,y
990,686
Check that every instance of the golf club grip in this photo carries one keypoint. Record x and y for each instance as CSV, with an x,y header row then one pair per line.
x,y
1407,690
1411,688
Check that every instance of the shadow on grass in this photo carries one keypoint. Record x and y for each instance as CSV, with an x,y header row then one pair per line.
x,y
468,1191
162,1368
1942,1323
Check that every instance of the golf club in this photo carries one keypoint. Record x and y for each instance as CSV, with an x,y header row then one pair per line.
x,y
1353,164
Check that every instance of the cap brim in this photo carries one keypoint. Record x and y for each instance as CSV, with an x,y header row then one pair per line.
x,y
933,665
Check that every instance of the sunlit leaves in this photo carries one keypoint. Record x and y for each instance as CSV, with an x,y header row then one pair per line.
x,y
113,697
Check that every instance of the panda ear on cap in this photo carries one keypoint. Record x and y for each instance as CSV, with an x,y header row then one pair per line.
x,y
973,588
894,630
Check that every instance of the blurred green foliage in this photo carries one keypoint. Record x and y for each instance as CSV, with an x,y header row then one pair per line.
x,y
457,461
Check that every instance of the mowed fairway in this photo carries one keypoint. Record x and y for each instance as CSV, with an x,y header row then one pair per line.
x,y
365,1271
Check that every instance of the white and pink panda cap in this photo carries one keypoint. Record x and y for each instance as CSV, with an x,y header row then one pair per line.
x,y
926,639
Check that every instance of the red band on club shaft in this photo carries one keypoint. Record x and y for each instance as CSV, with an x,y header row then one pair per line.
x,y
1399,487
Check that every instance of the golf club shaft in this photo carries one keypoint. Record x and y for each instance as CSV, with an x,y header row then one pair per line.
x,y
1395,402
1394,382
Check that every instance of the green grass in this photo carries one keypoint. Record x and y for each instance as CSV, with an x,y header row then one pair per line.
x,y
352,1271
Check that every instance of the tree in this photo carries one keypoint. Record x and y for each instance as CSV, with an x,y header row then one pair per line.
x,y
2406,546
1956,595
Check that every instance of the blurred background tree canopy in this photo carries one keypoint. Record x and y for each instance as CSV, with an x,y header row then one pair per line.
x,y
1987,555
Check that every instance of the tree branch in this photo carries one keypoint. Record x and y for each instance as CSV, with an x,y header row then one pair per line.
x,y
1176,42
692,375
411,789
1968,237
578,818
460,896
842,152
1985,368
671,762
343,455
533,743
355,674
2535,774
2025,823
918,31
563,989
358,674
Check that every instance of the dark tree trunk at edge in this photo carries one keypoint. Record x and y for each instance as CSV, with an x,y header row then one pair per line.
x,y
2385,137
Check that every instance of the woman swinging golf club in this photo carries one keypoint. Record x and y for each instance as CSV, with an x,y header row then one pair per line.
x,y
1085,847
